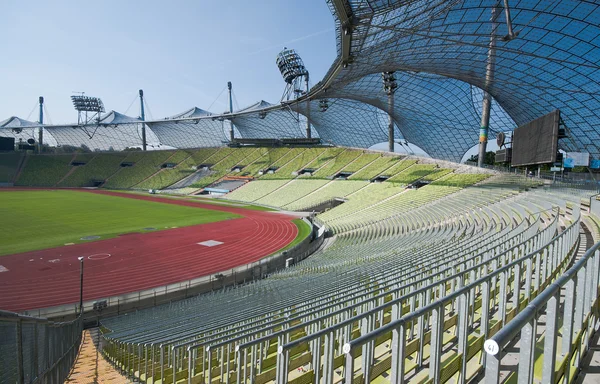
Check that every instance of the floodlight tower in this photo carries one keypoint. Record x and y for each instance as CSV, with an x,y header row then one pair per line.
x,y
296,78
84,104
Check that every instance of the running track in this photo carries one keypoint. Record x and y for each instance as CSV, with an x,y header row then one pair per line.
x,y
140,261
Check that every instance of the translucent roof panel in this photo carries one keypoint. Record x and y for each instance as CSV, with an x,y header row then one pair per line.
x,y
439,114
268,122
348,122
101,137
549,62
203,132
23,130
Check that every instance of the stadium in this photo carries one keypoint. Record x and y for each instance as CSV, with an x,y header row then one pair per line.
x,y
276,244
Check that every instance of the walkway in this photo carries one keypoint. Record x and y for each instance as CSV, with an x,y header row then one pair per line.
x,y
90,366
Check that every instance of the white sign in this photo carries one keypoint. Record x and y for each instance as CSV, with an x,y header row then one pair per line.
x,y
579,158
555,169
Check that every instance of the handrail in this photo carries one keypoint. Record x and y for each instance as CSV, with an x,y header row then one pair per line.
x,y
581,285
437,309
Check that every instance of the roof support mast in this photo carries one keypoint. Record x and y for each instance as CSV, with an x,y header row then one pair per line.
x,y
231,132
308,133
143,117
389,86
487,98
41,128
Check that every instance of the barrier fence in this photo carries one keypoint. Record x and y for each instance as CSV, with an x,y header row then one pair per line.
x,y
35,350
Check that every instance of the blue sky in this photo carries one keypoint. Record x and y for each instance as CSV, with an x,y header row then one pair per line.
x,y
182,53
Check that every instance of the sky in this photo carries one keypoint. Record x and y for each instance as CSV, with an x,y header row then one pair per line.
x,y
180,52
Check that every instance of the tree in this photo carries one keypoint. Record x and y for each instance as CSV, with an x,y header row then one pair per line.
x,y
490,158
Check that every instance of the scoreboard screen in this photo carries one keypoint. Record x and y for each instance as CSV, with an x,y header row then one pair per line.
x,y
7,144
537,141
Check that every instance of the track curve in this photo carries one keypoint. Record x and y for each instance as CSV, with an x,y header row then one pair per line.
x,y
139,261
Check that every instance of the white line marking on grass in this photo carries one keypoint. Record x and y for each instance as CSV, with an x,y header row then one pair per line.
x,y
210,243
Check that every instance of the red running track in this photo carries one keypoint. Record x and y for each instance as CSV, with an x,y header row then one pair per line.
x,y
140,261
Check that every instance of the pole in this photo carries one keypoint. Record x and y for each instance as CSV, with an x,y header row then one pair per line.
x,y
391,122
143,117
308,133
389,86
487,98
80,285
41,129
231,132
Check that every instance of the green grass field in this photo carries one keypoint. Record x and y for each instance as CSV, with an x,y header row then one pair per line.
x,y
303,232
33,220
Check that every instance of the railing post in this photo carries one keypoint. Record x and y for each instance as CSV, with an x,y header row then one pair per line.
x,y
492,363
549,364
437,339
349,364
463,332
398,354
527,351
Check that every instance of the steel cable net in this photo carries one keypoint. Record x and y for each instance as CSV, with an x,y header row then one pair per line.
x,y
205,132
22,130
193,128
347,122
266,122
439,114
114,131
550,64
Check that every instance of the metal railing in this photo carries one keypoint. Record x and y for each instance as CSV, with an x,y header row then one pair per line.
x,y
453,325
35,350
578,313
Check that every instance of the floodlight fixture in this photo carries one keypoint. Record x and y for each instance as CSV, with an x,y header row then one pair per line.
x,y
85,105
294,73
323,105
389,82
262,114
290,65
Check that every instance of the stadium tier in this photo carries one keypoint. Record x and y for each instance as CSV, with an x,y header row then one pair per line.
x,y
394,263
44,170
9,166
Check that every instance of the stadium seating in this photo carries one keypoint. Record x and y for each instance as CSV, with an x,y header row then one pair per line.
x,y
295,161
266,158
291,192
412,173
336,164
184,165
426,248
362,161
97,169
331,190
256,189
45,170
376,168
9,164
145,164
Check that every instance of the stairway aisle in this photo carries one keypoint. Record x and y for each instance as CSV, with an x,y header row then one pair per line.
x,y
90,366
